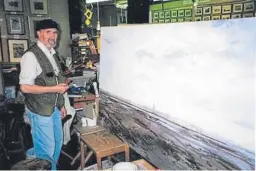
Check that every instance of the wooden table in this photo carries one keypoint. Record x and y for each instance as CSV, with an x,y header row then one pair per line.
x,y
102,144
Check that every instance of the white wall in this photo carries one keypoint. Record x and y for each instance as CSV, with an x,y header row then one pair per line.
x,y
199,74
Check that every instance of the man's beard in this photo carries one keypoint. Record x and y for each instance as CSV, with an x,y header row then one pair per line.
x,y
52,42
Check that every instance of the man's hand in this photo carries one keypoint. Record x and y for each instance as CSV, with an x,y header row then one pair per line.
x,y
63,112
61,88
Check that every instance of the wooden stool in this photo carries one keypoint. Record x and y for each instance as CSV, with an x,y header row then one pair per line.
x,y
102,144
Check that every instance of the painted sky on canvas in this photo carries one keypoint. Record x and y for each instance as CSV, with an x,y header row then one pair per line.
x,y
199,74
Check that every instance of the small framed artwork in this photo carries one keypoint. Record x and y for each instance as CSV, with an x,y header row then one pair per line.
x,y
32,21
237,8
199,11
188,19
167,14
206,18
226,9
188,12
180,20
225,17
180,13
236,16
38,7
216,17
174,20
13,5
247,15
216,9
166,20
249,6
15,24
161,14
155,15
174,14
161,21
155,20
199,18
207,10
16,49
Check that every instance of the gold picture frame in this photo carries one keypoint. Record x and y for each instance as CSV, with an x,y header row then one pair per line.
x,y
234,16
216,9
237,8
17,47
198,18
167,14
226,9
174,14
199,11
188,13
216,17
207,10
249,6
206,18
225,17
181,13
247,15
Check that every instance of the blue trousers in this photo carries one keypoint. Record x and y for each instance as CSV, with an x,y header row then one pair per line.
x,y
47,135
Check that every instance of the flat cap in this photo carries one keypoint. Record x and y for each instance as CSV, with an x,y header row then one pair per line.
x,y
46,24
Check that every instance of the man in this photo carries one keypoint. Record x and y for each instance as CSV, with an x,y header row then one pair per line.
x,y
42,83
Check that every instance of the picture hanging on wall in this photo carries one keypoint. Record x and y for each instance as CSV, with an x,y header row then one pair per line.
x,y
246,15
206,18
155,16
15,24
32,21
188,12
16,49
161,14
207,10
216,9
181,13
174,13
225,17
167,14
249,6
226,9
238,8
38,7
199,18
199,11
236,16
216,17
13,5
173,20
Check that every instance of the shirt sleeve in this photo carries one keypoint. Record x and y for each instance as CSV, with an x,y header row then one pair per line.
x,y
28,69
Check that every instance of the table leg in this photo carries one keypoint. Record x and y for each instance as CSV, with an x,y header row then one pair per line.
x,y
82,154
127,153
99,164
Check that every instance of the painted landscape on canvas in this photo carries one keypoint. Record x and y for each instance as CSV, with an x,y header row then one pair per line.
x,y
182,95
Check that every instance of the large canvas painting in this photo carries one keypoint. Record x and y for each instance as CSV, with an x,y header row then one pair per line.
x,y
182,95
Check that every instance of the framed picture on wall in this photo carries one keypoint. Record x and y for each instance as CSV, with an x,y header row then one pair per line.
x,y
216,9
13,5
155,20
16,49
216,17
199,11
226,9
166,20
199,18
161,14
236,16
249,6
188,19
167,14
173,20
181,13
161,21
174,14
237,8
155,15
180,20
38,6
206,18
188,12
207,10
225,17
32,21
246,15
15,24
